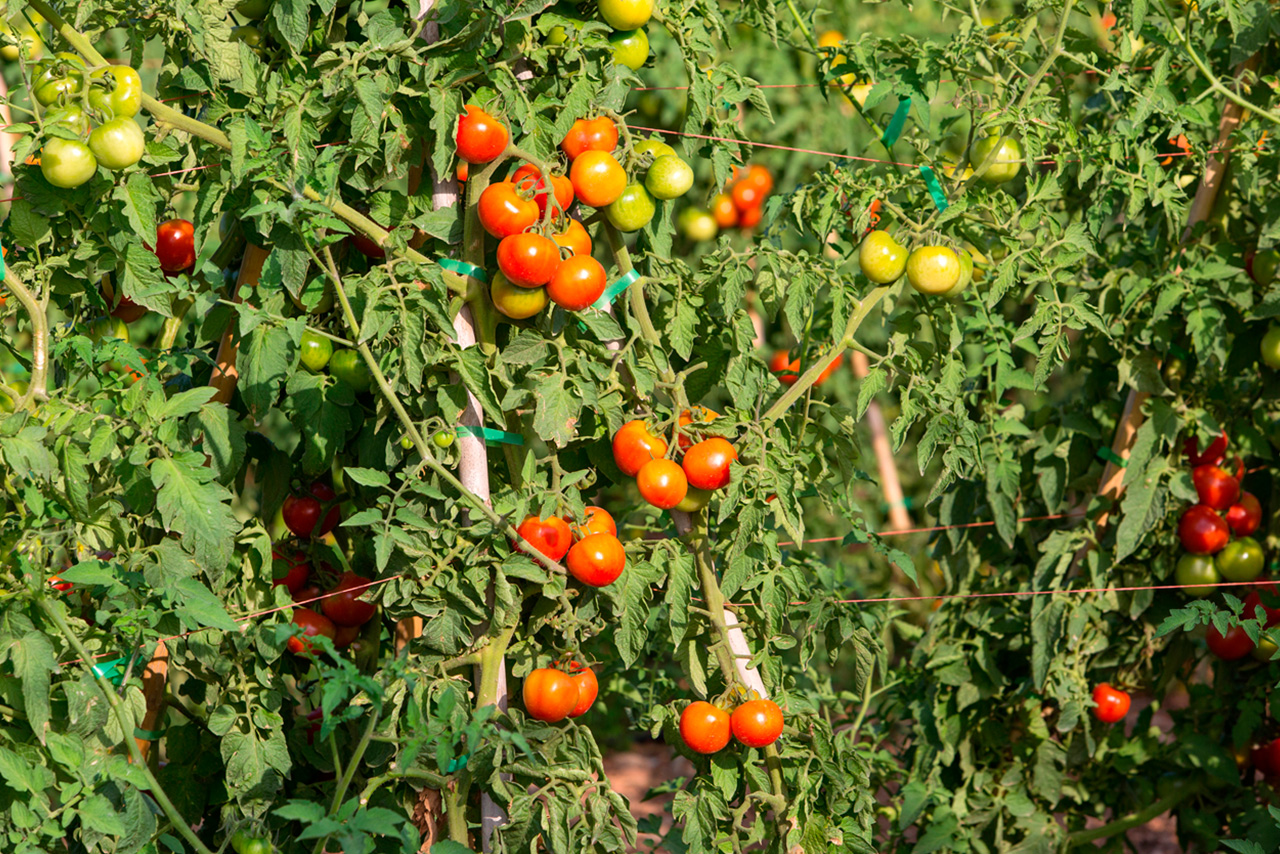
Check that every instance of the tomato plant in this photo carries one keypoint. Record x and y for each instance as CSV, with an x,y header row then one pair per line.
x,y
705,728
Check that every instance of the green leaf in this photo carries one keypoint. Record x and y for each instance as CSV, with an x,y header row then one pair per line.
x,y
192,506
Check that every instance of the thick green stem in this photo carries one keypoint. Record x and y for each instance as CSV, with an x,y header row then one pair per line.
x,y
39,340
490,666
1137,819
455,815
127,725
172,325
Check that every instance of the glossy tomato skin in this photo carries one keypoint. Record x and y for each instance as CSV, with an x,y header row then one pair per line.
x,y
757,723
578,283
117,144
504,212
1216,488
626,14
1197,575
574,238
598,179
316,351
632,210
724,210
598,134
347,366
597,560
1202,531
1270,347
515,302
549,695
707,463
66,163
1245,515
669,177
343,604
598,522
697,415
176,246
1240,560
1004,165
588,688
312,624
302,512
933,270
1213,455
704,728
662,483
1235,644
528,260
528,178
296,571
634,445
551,536
1110,704
882,259
480,136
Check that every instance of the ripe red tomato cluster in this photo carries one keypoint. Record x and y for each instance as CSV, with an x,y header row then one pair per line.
x,y
705,727
342,612
1205,529
705,466
302,512
592,552
742,202
551,694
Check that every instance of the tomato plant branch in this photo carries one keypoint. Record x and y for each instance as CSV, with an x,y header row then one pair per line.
x,y
1137,819
39,339
126,725
353,763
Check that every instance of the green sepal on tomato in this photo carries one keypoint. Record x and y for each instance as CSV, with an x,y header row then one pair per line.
x,y
61,77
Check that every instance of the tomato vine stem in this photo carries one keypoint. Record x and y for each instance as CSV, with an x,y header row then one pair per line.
x,y
39,340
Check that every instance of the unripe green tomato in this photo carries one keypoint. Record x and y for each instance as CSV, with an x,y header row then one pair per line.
x,y
514,301
118,144
1271,347
317,350
406,442
117,91
656,147
632,210
1266,649
67,164
882,258
694,500
348,367
630,48
61,77
966,275
316,296
558,35
70,115
254,10
1175,370
1265,265
249,34
697,224
1004,165
1196,569
933,270
669,177
1241,560
28,39
443,439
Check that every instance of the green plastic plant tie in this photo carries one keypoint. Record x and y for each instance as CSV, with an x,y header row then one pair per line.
x,y
491,436
1112,457
904,502
148,734
457,763
112,671
462,268
611,293
935,189
899,120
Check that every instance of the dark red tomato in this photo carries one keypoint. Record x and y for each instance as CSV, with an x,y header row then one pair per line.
x,y
1267,758
598,134
1245,515
549,695
1215,486
528,178
528,260
307,594
302,512
1202,531
551,536
480,136
367,246
312,624
344,636
343,604
176,245
128,310
597,560
1212,455
1231,646
296,571
504,212
1266,596
1110,704
707,463
704,727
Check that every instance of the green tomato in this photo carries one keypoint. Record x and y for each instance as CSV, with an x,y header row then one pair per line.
x,y
254,10
558,35
28,42
67,164
1196,569
316,296
1271,347
697,224
632,210
116,91
694,500
933,270
243,843
1241,560
626,14
1004,165
70,115
406,442
656,147
249,34
882,258
316,351
966,275
348,367
443,439
1265,649
1175,371
118,144
516,302
669,177
1265,264
630,48
61,77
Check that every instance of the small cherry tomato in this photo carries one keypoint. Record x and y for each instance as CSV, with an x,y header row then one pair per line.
x,y
1202,531
515,302
1213,455
698,415
578,283
933,270
549,695
750,218
759,177
1110,704
1197,575
662,483
598,179
882,259
551,536
574,238
597,560
504,212
746,196
1240,560
1233,645
302,512
626,14
598,522
724,211
443,439
634,445
757,723
697,224
598,134
317,350
707,463
176,245
704,728
480,136
632,210
1004,164
528,260
296,571
669,177
343,604
588,688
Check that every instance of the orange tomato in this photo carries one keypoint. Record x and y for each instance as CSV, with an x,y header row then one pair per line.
x,y
634,445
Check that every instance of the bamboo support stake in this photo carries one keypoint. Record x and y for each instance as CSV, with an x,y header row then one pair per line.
x,y
153,684
899,518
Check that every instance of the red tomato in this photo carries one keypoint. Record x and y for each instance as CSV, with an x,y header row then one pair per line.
x,y
549,695
746,196
598,134
344,606
598,179
58,584
1245,515
662,483
1213,455
1111,704
1231,646
1255,600
598,522
704,727
312,624
588,688
550,536
578,283
706,464
480,137
176,245
634,445
529,178
1216,488
725,212
597,560
504,212
302,512
528,260
703,416
1202,531
464,172
307,594
757,723
297,571
787,369
751,217
574,238
344,636
758,176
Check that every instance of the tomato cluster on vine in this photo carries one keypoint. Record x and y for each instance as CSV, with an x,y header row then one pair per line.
x,y
687,486
706,727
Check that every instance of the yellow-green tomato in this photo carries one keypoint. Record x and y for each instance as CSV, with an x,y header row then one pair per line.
x,y
656,147
67,164
70,115
108,328
694,500
966,275
1271,347
559,35
1264,266
28,41
249,34
626,14
697,224
1196,570
61,77
254,10
116,91
669,177
1005,163
632,210
1265,650
933,270
882,258
630,48
514,301
118,144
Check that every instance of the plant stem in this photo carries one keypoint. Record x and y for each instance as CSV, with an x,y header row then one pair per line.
x,y
804,26
455,815
39,340
1137,819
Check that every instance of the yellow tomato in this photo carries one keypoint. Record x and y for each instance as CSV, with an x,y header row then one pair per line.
x,y
933,270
